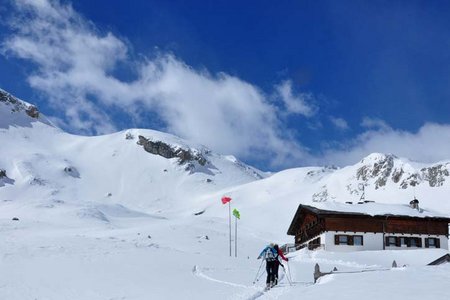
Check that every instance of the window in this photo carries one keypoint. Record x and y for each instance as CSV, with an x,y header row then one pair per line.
x,y
403,241
343,240
432,243
391,241
350,240
358,240
415,242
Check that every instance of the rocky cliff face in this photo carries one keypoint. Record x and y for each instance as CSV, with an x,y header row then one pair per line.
x,y
18,105
168,151
4,178
436,175
383,168
380,172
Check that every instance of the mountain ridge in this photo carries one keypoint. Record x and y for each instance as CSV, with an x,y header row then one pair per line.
x,y
155,172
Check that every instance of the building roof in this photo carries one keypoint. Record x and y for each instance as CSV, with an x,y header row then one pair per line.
x,y
367,208
374,209
441,260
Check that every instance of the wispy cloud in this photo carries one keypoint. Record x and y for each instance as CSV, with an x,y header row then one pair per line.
x,y
375,123
340,123
429,144
75,64
300,103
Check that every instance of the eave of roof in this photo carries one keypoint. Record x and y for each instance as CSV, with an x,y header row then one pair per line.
x,y
323,212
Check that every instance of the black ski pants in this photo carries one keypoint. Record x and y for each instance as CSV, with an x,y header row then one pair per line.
x,y
277,266
271,266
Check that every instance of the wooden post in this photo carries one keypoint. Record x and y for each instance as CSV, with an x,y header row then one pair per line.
x,y
317,272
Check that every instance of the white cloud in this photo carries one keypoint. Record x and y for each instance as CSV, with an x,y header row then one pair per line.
x,y
301,103
75,64
429,144
374,123
340,123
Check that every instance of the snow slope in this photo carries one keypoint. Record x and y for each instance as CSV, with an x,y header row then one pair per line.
x,y
103,218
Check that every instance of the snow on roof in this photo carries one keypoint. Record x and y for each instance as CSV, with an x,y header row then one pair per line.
x,y
375,209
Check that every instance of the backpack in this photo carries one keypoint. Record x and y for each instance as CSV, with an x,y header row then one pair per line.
x,y
270,254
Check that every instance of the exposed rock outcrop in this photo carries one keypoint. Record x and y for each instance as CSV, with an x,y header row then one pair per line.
x,y
435,175
412,180
168,151
384,167
397,175
381,169
321,196
129,136
18,105
4,178
72,171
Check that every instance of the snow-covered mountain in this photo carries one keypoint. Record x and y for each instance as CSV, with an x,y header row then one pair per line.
x,y
138,168
140,210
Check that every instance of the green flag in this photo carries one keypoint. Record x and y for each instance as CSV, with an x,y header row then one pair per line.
x,y
236,213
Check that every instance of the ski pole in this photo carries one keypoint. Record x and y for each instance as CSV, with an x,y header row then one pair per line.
x,y
289,280
257,273
289,270
260,275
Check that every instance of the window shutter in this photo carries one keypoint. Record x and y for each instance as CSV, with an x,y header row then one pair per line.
x,y
419,242
427,243
397,241
336,239
350,240
408,242
438,242
387,241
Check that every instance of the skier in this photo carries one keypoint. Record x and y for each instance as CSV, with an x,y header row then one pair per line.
x,y
270,255
280,256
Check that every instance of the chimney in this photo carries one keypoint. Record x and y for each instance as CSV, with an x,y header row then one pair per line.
x,y
414,204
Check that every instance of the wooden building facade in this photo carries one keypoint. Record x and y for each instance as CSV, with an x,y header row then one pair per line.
x,y
351,231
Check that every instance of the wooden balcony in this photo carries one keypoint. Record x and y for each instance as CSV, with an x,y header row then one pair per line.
x,y
310,233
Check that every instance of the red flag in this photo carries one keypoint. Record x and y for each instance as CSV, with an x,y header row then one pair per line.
x,y
225,200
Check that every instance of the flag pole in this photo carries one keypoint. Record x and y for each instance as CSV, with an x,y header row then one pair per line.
x,y
235,236
229,222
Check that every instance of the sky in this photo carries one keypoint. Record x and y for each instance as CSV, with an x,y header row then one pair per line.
x,y
278,84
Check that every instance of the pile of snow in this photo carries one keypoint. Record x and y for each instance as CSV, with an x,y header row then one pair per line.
x,y
377,209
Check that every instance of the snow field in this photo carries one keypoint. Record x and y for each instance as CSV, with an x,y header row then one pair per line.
x,y
137,256
102,219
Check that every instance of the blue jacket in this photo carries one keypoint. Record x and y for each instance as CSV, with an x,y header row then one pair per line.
x,y
268,248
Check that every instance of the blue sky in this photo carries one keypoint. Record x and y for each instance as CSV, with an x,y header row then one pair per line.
x,y
278,84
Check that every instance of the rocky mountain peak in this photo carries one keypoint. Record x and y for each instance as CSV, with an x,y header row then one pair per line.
x,y
378,166
379,172
18,105
382,168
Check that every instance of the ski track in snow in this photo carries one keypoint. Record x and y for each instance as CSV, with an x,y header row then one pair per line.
x,y
273,293
197,272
